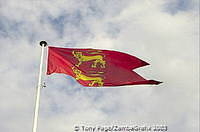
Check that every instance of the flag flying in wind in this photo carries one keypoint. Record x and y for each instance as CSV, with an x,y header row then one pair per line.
x,y
96,68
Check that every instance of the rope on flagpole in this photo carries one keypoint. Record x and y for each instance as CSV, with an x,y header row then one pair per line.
x,y
43,44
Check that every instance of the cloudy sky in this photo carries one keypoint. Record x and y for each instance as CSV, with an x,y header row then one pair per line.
x,y
162,32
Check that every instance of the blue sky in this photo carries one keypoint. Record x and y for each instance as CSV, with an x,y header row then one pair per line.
x,y
161,32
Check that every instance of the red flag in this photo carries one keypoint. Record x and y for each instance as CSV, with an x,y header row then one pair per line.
x,y
96,68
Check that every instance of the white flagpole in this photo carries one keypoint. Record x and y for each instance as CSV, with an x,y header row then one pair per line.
x,y
37,102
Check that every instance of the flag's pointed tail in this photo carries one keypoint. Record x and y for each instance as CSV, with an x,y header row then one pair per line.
x,y
148,82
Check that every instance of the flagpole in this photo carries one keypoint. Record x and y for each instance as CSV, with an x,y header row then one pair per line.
x,y
43,44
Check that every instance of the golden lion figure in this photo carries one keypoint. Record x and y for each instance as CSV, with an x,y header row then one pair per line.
x,y
96,58
80,76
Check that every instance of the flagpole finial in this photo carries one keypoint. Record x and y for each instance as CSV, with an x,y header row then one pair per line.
x,y
43,43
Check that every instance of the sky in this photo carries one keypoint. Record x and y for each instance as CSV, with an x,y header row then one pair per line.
x,y
164,33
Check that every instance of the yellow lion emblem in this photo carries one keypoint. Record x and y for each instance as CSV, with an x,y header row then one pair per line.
x,y
98,59
94,80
